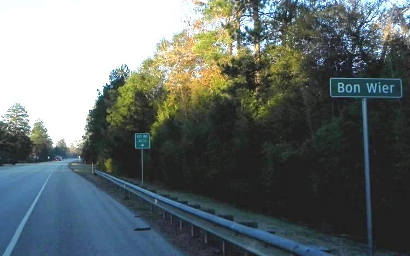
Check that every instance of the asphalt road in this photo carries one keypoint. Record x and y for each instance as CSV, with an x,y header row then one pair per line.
x,y
46,209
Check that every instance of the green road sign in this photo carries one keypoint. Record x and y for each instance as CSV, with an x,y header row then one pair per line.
x,y
142,141
365,88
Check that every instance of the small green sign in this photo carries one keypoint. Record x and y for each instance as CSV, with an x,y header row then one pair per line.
x,y
142,141
365,88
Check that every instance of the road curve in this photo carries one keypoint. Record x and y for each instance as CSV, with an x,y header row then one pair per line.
x,y
45,209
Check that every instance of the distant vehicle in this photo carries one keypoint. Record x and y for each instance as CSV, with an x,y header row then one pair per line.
x,y
59,158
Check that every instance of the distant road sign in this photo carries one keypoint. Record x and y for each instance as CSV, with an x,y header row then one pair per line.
x,y
142,141
365,88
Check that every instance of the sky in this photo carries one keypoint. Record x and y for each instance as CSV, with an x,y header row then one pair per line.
x,y
55,54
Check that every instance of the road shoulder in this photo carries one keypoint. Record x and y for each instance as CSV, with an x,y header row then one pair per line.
x,y
181,239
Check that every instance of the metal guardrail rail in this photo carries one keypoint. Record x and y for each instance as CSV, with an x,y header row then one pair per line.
x,y
252,240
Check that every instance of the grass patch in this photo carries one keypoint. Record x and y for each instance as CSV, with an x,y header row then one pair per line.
x,y
80,167
340,245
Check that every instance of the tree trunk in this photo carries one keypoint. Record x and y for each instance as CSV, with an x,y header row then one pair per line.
x,y
239,8
257,29
308,111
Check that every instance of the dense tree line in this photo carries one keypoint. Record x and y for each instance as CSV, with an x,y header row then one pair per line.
x,y
15,144
238,108
20,143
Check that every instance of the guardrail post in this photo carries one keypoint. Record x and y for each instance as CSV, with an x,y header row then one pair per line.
x,y
180,224
245,253
194,231
126,196
205,237
223,248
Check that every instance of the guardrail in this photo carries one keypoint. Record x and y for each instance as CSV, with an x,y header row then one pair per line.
x,y
251,240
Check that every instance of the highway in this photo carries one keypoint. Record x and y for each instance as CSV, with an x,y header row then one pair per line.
x,y
46,209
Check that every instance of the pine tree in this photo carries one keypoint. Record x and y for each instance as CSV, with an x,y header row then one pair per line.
x,y
17,122
42,143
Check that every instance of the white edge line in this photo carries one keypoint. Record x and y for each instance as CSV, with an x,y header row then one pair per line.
x,y
19,230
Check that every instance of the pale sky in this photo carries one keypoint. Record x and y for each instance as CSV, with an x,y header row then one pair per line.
x,y
55,54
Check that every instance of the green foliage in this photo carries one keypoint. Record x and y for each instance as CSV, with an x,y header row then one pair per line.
x,y
134,108
42,144
238,108
5,143
209,46
97,145
61,149
18,129
108,165
17,120
286,71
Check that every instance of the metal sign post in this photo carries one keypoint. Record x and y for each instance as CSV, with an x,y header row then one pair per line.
x,y
142,141
366,88
142,167
367,177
